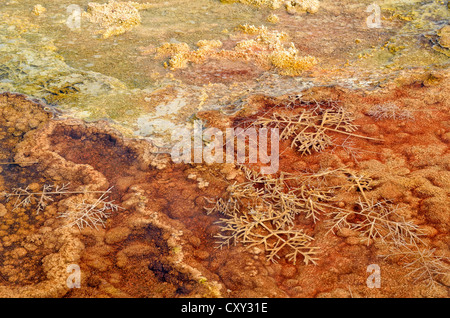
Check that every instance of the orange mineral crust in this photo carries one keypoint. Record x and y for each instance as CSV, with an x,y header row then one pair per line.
x,y
362,183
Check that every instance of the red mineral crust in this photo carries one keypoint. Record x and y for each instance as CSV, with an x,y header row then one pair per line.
x,y
161,241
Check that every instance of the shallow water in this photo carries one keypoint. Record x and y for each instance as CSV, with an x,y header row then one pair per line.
x,y
118,56
119,79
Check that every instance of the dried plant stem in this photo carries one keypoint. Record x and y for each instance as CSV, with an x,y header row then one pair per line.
x,y
422,263
18,162
91,214
25,197
54,192
309,129
375,219
263,209
82,215
309,125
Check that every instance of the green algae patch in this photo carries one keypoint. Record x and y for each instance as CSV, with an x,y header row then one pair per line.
x,y
34,67
416,44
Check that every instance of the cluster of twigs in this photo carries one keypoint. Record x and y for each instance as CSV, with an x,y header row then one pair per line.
x,y
25,197
262,211
90,212
421,262
390,111
381,220
374,219
311,130
257,228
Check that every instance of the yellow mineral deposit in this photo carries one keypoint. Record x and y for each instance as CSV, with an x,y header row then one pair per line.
x,y
114,18
267,48
38,9
289,63
178,53
302,6
273,18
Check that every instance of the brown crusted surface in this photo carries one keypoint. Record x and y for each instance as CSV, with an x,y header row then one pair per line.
x,y
162,244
